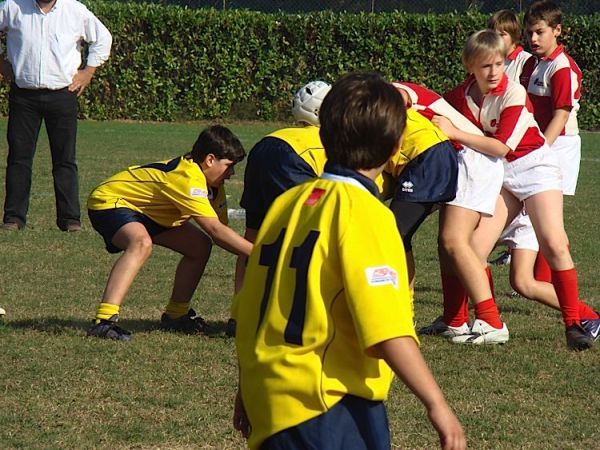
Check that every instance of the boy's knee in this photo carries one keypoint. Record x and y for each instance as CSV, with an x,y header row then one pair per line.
x,y
141,245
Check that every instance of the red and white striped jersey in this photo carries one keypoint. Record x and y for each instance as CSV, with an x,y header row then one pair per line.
x,y
429,103
555,82
514,63
505,113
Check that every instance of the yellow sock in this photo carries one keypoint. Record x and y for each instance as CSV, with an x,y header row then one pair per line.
x,y
175,310
106,311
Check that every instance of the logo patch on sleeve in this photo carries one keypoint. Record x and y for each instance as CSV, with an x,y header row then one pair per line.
x,y
381,275
198,192
314,196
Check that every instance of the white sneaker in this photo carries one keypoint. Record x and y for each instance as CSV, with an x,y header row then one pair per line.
x,y
483,333
439,328
2,312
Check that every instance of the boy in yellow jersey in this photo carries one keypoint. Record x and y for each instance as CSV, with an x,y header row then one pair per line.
x,y
324,314
156,204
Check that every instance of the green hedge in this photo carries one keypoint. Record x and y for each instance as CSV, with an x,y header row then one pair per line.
x,y
171,63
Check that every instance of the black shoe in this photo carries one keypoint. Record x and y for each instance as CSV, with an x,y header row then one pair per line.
x,y
11,226
189,323
230,328
108,329
592,327
577,339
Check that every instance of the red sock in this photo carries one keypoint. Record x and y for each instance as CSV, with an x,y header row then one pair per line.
x,y
587,313
565,285
541,269
487,311
488,272
456,307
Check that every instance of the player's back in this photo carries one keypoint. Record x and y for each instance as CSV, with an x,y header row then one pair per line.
x,y
302,331
306,143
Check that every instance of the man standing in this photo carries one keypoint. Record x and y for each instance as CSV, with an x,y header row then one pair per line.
x,y
43,64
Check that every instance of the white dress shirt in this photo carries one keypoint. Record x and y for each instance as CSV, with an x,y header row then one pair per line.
x,y
44,49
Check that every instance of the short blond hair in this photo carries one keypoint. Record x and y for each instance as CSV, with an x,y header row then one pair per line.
x,y
482,43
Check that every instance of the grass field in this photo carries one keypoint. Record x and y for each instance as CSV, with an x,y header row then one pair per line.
x,y
61,390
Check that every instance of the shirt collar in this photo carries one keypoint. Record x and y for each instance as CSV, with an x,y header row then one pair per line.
x,y
513,55
36,5
557,51
338,169
501,88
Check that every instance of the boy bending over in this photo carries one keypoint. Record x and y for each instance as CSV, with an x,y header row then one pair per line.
x,y
153,204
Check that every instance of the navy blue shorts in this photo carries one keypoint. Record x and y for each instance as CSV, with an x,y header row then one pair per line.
x,y
352,424
273,167
108,221
431,177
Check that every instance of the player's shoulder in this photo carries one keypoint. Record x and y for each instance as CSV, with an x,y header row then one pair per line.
x,y
514,94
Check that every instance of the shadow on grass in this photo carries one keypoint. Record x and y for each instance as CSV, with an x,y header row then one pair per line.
x,y
62,325
66,325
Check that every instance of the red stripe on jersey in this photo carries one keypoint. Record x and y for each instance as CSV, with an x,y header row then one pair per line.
x,y
555,82
509,118
314,196
425,97
456,97
527,71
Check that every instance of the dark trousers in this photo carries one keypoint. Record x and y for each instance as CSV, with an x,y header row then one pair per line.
x,y
58,109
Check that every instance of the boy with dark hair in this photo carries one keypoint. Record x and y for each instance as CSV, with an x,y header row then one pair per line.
x,y
153,204
324,314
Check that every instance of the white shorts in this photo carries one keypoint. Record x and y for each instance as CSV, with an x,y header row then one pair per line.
x,y
569,156
536,172
479,181
519,234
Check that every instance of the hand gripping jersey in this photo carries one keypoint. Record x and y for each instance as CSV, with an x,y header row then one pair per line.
x,y
515,62
554,82
325,282
419,136
168,192
506,114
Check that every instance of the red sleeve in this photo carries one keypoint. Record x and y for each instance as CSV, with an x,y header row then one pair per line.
x,y
456,98
560,84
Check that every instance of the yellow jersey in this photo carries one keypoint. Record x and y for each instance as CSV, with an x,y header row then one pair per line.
x,y
326,281
168,192
306,143
419,136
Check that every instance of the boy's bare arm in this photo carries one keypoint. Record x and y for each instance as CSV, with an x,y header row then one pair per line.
x,y
224,236
556,125
405,359
483,144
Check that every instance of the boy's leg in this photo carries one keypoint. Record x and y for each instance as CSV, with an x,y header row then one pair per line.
x,y
134,239
523,281
546,212
195,248
409,217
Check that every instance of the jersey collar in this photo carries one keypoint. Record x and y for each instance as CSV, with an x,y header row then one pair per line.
x,y
339,170
501,88
552,56
513,55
